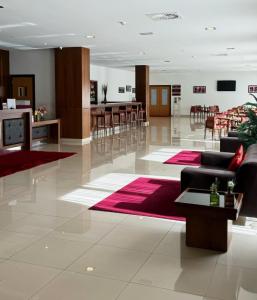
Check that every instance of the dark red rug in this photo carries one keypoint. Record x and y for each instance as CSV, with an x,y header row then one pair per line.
x,y
15,161
190,158
145,197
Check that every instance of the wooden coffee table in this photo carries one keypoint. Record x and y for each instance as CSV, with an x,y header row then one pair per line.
x,y
207,226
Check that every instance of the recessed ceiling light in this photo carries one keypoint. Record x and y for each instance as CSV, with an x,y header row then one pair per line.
x,y
90,269
167,61
90,36
142,53
163,16
45,44
211,28
123,23
146,33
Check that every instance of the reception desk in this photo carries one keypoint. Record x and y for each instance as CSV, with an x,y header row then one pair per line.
x,y
16,128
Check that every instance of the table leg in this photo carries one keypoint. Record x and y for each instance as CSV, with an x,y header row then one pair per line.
x,y
206,233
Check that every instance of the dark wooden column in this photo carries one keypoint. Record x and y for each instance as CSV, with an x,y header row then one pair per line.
x,y
72,83
4,74
142,87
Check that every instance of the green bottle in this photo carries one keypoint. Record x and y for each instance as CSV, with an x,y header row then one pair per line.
x,y
214,196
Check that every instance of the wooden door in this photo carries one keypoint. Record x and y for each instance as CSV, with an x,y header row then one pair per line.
x,y
23,90
160,100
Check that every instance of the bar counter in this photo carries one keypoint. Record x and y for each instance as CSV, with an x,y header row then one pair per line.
x,y
112,108
114,104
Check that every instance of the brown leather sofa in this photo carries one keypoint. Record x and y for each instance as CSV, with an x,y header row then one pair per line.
x,y
230,143
215,164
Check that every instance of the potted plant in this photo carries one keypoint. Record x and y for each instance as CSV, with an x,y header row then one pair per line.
x,y
247,131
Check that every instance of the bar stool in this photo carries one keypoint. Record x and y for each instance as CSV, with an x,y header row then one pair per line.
x,y
120,116
141,116
103,121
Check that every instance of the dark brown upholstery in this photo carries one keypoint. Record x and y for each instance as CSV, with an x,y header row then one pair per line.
x,y
215,164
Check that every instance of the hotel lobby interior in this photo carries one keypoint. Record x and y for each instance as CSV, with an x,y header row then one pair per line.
x,y
128,150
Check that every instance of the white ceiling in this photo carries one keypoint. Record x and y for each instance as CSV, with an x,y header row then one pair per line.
x,y
26,24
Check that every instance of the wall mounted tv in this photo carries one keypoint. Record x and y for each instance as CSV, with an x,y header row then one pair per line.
x,y
226,85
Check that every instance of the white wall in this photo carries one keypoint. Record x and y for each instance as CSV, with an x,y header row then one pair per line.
x,y
40,63
114,78
225,100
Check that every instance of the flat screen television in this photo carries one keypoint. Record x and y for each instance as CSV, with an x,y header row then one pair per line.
x,y
226,85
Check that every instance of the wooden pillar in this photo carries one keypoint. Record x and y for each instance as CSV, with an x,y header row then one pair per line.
x,y
4,75
142,88
72,83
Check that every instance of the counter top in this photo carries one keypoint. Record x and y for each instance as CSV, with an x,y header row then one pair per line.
x,y
112,104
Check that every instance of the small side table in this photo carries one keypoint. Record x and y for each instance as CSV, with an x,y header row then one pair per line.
x,y
207,226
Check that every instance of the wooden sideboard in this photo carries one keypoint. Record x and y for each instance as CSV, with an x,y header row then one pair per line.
x,y
48,130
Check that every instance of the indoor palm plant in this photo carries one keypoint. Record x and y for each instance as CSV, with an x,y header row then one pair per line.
x,y
248,130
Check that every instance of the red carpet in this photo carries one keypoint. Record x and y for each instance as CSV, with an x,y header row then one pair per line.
x,y
15,161
190,158
145,197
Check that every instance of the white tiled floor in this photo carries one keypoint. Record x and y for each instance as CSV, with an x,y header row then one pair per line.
x,y
52,247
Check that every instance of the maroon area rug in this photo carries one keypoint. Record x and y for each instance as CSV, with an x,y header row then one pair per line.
x,y
145,197
15,161
189,158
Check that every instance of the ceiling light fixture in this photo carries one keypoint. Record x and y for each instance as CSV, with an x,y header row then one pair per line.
x,y
146,33
122,23
231,48
45,44
167,61
90,36
211,28
163,16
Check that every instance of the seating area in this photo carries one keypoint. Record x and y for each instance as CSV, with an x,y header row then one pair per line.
x,y
128,150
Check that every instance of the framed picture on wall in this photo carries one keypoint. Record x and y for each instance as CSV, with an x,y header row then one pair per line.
x,y
252,89
176,90
121,90
199,89
128,88
133,90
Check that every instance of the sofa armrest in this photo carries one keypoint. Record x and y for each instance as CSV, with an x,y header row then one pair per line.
x,y
216,159
229,144
202,178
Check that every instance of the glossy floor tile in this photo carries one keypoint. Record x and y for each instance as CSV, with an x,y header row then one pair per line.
x,y
21,281
53,247
80,287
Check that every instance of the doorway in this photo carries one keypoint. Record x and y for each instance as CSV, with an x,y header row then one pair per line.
x,y
160,100
23,90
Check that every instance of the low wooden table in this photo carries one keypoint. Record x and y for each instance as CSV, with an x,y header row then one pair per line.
x,y
207,226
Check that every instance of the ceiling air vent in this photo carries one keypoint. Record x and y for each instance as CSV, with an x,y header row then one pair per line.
x,y
163,16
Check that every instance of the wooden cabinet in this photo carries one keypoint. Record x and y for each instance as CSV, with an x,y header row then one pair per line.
x,y
4,74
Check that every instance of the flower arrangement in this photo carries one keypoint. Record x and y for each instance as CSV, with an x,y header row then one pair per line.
x,y
40,113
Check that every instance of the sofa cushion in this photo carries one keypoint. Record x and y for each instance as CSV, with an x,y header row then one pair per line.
x,y
237,159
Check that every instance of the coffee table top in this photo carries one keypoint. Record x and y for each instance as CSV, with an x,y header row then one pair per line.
x,y
195,201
